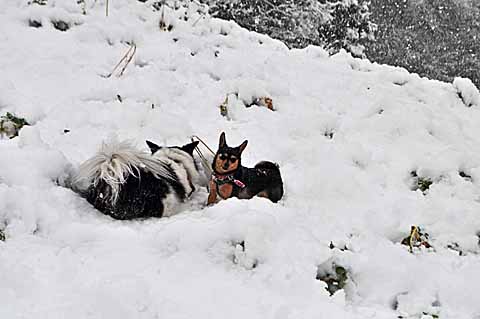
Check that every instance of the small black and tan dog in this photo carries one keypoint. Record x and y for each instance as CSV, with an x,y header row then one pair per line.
x,y
231,179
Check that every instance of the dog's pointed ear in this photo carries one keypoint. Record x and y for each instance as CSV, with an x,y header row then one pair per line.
x,y
223,140
243,145
189,148
153,147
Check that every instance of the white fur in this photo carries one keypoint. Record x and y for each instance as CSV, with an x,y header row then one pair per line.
x,y
170,204
182,164
114,163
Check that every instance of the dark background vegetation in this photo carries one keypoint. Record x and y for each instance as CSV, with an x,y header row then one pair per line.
x,y
334,24
439,39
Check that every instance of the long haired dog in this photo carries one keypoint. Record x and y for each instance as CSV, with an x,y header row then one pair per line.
x,y
126,183
231,179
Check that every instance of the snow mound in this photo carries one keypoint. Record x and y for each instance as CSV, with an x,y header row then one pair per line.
x,y
366,151
467,91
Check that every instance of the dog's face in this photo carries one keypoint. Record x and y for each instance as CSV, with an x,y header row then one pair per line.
x,y
227,160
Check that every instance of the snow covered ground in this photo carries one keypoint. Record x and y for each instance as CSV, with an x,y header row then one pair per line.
x,y
347,134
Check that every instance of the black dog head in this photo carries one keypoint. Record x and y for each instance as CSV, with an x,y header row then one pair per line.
x,y
188,148
228,159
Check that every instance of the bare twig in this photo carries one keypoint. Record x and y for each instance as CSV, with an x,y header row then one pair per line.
x,y
205,144
199,18
205,162
129,59
126,57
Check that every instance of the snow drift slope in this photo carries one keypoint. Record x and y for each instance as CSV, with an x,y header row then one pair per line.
x,y
63,259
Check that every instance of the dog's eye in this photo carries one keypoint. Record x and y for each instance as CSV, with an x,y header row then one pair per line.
x,y
233,159
223,157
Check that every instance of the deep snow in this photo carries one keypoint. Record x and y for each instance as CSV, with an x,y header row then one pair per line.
x,y
63,259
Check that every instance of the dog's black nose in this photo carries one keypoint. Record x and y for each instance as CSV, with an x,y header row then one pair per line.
x,y
225,166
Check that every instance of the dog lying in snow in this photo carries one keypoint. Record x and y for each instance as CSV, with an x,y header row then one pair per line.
x,y
231,179
126,183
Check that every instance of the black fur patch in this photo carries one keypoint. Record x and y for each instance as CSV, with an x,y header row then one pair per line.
x,y
138,197
264,177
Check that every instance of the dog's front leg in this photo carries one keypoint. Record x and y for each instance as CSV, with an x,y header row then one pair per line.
x,y
212,197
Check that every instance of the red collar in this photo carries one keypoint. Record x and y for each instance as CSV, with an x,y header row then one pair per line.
x,y
225,179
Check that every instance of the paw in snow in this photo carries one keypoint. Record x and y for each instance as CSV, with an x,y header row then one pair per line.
x,y
2,235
